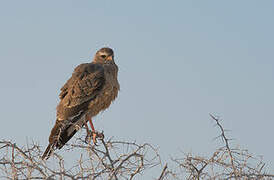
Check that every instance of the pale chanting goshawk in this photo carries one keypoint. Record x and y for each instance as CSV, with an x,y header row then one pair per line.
x,y
91,89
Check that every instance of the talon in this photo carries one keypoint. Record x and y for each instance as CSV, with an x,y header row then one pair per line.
x,y
94,136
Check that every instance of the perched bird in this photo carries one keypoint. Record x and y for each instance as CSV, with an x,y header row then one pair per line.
x,y
91,89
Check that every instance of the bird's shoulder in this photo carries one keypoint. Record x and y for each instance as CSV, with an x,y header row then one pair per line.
x,y
86,76
87,68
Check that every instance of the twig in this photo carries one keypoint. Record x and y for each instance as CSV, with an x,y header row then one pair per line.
x,y
163,173
226,144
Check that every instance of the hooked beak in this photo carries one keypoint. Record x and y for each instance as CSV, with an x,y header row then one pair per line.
x,y
109,58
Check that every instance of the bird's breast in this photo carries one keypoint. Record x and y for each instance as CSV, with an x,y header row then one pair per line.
x,y
107,94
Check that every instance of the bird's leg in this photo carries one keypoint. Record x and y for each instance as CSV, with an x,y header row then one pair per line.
x,y
87,140
94,134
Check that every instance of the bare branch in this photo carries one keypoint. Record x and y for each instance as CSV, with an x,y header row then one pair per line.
x,y
163,173
226,144
124,160
110,160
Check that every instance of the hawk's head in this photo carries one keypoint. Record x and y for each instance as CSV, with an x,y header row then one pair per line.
x,y
104,55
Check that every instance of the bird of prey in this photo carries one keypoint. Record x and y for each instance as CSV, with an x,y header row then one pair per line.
x,y
91,89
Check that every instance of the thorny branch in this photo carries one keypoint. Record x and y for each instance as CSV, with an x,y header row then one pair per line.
x,y
226,145
115,160
225,163
96,162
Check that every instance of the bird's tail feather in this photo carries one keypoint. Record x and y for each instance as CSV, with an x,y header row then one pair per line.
x,y
65,137
48,151
61,134
71,129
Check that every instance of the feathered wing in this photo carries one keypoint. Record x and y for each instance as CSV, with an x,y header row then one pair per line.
x,y
84,85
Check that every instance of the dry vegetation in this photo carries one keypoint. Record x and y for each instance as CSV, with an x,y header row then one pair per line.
x,y
128,160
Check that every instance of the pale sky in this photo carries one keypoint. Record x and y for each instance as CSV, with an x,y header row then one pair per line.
x,y
178,60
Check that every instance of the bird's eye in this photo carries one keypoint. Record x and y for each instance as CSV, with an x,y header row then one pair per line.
x,y
103,56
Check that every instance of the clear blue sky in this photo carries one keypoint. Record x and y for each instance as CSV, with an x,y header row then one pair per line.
x,y
179,61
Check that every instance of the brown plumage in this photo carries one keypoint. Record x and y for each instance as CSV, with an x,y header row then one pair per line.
x,y
91,89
